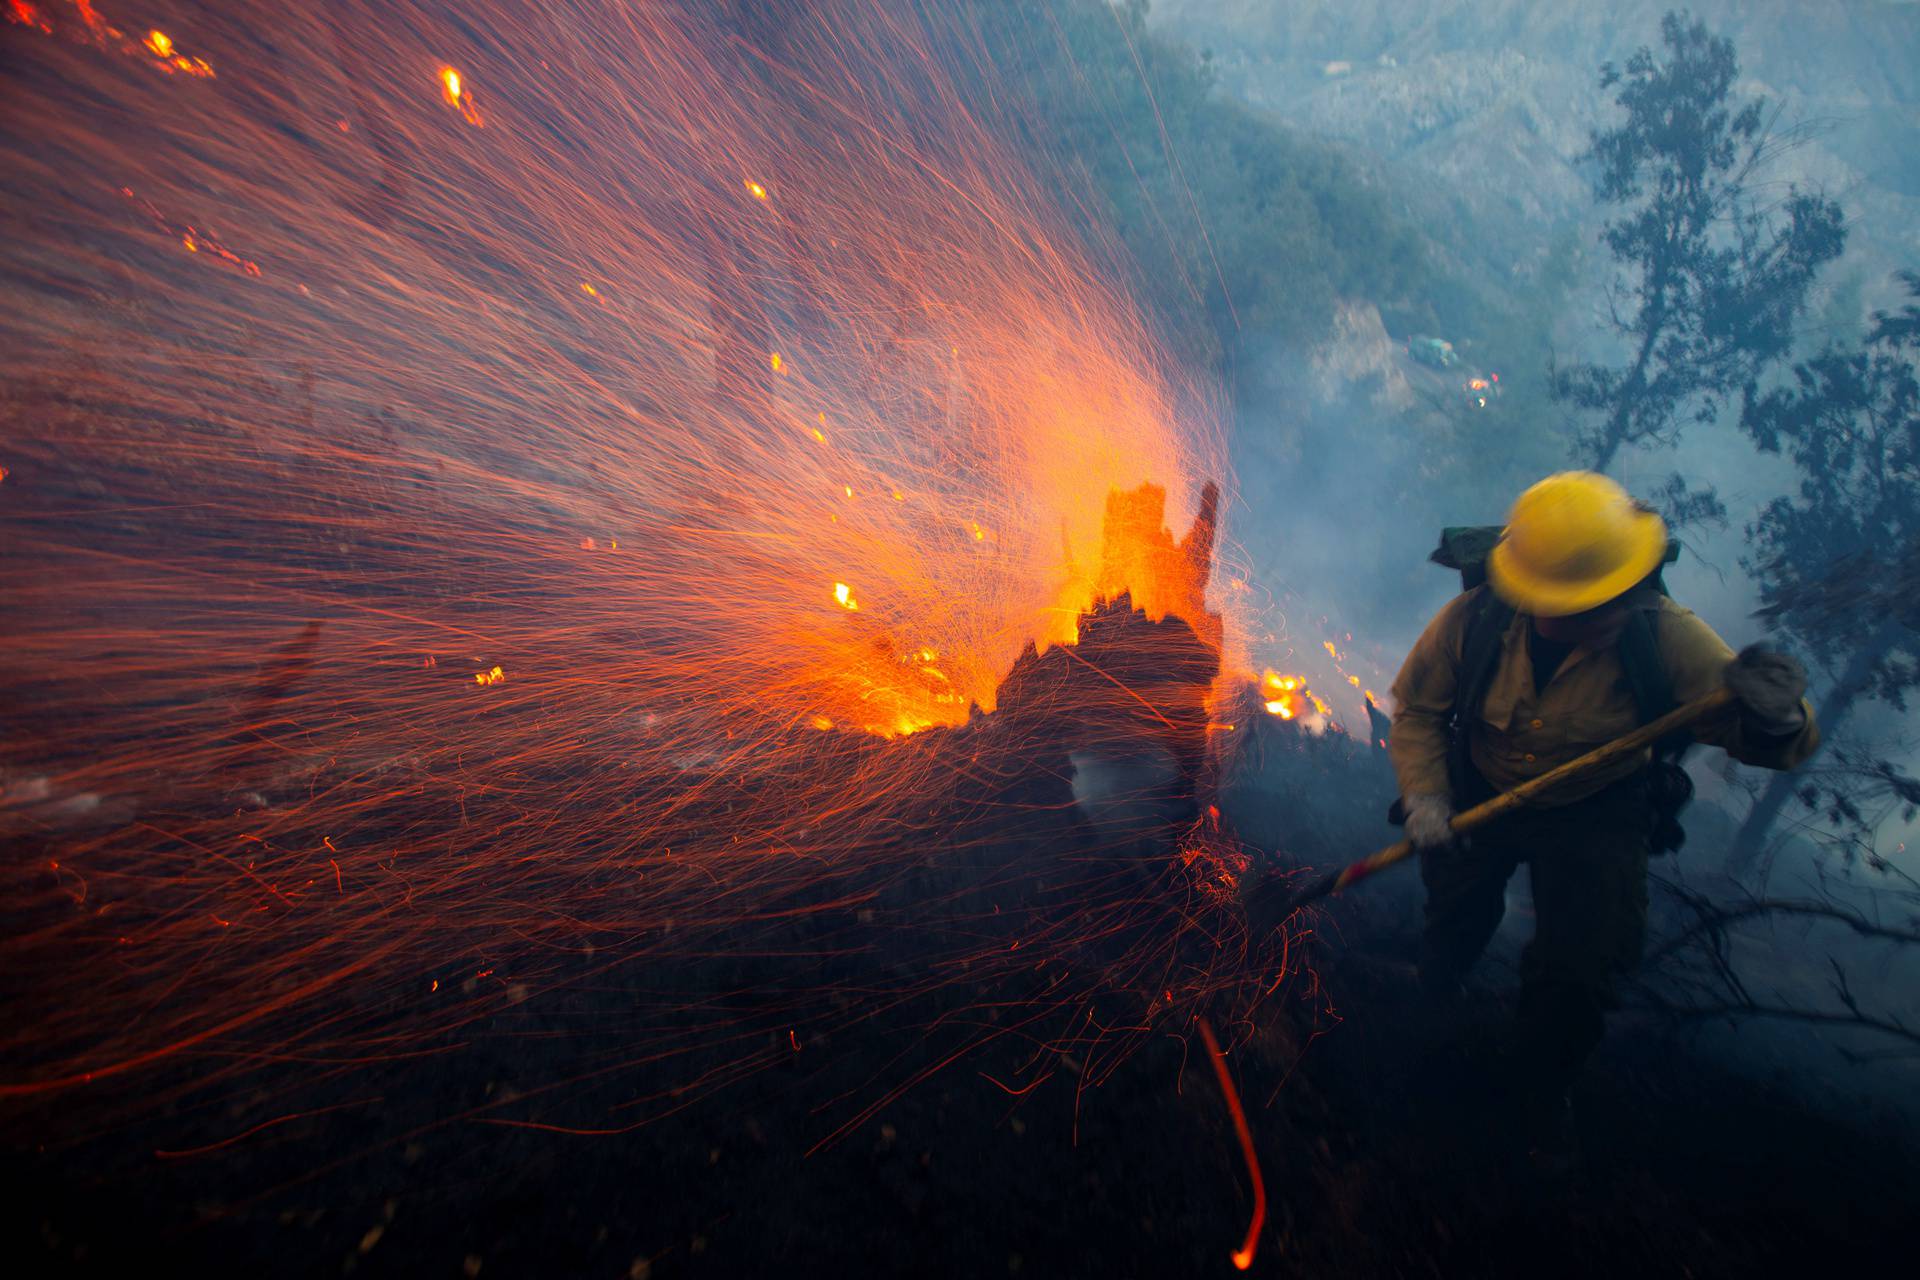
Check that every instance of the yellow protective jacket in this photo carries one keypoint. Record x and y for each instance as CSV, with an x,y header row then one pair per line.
x,y
1519,734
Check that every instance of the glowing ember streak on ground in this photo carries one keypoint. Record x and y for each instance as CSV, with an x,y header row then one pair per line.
x,y
1243,1256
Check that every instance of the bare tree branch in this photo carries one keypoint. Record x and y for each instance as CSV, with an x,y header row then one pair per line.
x,y
1692,975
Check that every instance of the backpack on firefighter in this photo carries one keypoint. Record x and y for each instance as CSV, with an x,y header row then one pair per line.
x,y
1465,549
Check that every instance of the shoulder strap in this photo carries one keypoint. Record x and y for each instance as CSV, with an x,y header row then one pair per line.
x,y
1647,676
1480,652
1479,659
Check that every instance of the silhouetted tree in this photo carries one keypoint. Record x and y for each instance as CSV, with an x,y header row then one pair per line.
x,y
1839,562
1710,279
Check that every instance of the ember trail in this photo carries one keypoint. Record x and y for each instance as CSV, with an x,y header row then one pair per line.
x,y
506,502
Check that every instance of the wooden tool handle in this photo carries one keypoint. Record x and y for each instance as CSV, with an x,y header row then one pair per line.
x,y
1506,802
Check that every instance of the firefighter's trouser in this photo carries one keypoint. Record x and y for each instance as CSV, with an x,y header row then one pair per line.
x,y
1587,862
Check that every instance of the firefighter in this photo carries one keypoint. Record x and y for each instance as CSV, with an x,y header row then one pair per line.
x,y
1570,642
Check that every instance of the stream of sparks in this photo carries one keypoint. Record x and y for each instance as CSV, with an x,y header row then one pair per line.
x,y
482,491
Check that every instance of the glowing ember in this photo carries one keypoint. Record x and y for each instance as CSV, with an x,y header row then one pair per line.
x,y
156,47
456,96
191,238
28,16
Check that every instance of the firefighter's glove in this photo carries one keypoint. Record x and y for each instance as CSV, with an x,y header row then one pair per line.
x,y
1769,686
1430,822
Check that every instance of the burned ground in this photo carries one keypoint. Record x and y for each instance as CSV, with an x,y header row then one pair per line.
x,y
871,1077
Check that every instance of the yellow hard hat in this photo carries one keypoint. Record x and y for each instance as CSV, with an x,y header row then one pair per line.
x,y
1573,542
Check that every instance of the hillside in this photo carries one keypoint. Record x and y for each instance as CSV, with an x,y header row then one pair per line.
x,y
1486,107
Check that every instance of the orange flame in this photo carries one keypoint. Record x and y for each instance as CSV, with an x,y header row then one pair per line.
x,y
1287,696
27,16
104,35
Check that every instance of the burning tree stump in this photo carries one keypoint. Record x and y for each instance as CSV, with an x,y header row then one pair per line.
x,y
1139,679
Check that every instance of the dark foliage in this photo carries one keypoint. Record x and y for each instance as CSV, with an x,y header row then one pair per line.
x,y
1711,278
1838,562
